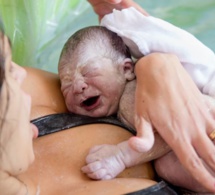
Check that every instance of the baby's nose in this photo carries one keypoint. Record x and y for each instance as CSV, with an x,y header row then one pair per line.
x,y
79,86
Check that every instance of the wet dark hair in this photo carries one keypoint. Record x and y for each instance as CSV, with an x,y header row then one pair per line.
x,y
92,33
2,57
100,36
2,69
5,53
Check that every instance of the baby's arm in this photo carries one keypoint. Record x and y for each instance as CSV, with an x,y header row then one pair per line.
x,y
107,161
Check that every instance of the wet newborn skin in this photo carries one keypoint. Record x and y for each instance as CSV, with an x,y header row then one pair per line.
x,y
92,76
101,83
90,89
113,159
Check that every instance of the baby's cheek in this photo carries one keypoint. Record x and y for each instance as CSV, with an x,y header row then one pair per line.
x,y
68,100
69,106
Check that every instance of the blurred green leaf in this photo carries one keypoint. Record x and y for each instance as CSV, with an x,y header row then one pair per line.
x,y
31,24
38,29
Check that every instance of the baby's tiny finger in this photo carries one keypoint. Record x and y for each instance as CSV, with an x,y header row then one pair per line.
x,y
107,177
91,158
95,148
99,174
92,167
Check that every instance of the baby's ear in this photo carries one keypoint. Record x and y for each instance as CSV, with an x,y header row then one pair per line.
x,y
128,69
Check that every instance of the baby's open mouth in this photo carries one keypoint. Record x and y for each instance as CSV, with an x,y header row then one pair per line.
x,y
90,102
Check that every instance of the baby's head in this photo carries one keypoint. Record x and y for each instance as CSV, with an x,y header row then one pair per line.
x,y
94,67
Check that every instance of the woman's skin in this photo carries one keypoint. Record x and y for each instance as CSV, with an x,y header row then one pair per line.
x,y
49,161
16,133
106,6
60,156
187,121
45,92
106,161
190,140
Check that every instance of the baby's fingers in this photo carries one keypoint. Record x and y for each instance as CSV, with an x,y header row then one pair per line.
x,y
92,167
100,174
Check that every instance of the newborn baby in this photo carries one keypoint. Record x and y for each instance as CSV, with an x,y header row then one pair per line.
x,y
99,81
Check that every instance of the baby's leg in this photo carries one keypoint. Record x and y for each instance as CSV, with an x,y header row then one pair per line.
x,y
169,168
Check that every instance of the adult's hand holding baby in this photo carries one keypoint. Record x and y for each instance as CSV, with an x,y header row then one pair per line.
x,y
168,100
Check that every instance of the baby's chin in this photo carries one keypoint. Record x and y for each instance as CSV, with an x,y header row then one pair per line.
x,y
96,113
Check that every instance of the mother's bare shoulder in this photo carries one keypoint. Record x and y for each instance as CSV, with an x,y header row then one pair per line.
x,y
44,88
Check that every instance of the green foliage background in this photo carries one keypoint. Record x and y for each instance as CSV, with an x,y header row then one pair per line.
x,y
39,28
35,25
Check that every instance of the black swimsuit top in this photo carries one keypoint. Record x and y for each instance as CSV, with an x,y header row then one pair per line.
x,y
62,121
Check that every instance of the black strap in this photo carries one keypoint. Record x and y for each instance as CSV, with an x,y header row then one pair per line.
x,y
62,121
161,188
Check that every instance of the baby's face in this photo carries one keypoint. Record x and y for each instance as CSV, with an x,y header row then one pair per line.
x,y
93,87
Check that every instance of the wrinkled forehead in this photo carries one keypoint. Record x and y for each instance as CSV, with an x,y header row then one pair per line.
x,y
87,52
90,51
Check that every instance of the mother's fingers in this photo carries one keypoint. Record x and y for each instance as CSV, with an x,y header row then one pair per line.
x,y
212,135
144,140
206,150
210,103
194,165
131,3
103,7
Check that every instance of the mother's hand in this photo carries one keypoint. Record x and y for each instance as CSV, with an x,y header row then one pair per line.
x,y
103,7
169,101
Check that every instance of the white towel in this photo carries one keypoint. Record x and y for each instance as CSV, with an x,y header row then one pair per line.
x,y
147,34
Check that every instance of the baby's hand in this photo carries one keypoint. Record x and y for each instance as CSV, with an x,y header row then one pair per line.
x,y
107,161
104,162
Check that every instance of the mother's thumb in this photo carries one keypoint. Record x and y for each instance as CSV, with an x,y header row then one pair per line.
x,y
144,139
